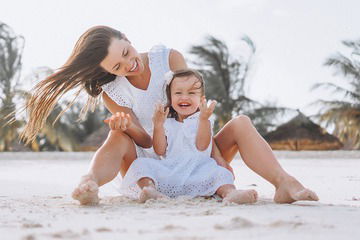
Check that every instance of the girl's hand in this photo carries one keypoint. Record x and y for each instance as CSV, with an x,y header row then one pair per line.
x,y
160,114
119,121
205,110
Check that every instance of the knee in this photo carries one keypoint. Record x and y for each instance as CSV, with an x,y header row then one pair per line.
x,y
116,135
240,123
242,120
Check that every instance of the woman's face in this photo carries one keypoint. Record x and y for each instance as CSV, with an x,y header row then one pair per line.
x,y
185,95
122,59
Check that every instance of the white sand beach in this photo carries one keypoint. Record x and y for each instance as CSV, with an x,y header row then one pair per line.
x,y
35,203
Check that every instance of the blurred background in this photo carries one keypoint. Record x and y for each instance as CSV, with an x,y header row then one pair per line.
x,y
292,66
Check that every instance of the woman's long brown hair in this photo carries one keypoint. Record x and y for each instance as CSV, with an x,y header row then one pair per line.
x,y
82,70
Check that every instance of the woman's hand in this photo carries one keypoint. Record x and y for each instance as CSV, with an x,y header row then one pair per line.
x,y
205,110
160,115
226,165
119,121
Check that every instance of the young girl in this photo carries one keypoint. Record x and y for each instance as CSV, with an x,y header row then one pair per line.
x,y
184,141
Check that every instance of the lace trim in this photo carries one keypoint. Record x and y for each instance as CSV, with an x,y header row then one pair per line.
x,y
114,89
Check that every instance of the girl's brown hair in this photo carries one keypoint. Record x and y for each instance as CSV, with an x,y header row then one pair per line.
x,y
182,73
82,70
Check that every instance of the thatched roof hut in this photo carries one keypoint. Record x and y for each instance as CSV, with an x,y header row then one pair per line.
x,y
94,140
300,133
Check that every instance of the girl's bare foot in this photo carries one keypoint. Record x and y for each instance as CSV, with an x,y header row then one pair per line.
x,y
150,193
291,190
241,196
87,191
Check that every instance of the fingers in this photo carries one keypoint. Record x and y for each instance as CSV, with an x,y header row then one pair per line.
x,y
112,123
212,106
119,121
167,111
129,117
159,108
124,121
202,105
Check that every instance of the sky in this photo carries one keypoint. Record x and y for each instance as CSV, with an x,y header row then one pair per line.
x,y
293,38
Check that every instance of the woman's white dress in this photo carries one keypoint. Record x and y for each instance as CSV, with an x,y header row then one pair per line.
x,y
142,102
184,170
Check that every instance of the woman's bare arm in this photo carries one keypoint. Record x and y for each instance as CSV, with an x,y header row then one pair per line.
x,y
216,154
135,130
176,60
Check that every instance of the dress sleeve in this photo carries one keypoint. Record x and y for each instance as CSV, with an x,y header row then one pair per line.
x,y
120,92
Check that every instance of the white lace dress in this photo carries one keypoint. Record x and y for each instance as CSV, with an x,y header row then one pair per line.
x,y
184,170
142,102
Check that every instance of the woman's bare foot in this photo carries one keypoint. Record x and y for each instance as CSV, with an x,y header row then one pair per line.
x,y
291,190
87,191
241,196
150,193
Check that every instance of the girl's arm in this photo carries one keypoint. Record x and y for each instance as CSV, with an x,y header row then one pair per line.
x,y
159,137
159,140
203,136
127,122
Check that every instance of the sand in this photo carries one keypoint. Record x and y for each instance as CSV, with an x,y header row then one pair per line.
x,y
35,203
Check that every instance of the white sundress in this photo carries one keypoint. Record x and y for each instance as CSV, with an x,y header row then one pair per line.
x,y
142,102
184,171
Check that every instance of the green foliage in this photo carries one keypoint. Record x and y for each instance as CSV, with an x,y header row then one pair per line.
x,y
11,48
344,114
225,75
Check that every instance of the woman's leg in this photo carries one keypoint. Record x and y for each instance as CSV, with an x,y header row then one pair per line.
x,y
148,190
230,195
116,154
239,134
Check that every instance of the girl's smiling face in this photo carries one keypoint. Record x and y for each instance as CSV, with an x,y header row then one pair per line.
x,y
185,95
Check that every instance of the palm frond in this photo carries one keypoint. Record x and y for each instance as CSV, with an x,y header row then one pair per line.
x,y
344,65
337,89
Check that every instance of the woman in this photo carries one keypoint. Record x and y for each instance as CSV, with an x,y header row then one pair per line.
x,y
99,63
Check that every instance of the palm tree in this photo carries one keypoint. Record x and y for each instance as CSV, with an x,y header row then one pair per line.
x,y
344,114
225,77
11,48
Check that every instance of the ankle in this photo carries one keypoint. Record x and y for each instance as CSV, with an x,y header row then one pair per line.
x,y
280,179
90,176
